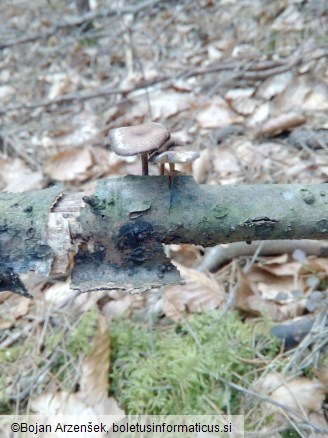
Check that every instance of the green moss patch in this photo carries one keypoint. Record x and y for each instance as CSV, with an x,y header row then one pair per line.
x,y
177,369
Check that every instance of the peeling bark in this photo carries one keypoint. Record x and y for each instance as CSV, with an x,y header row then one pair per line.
x,y
116,231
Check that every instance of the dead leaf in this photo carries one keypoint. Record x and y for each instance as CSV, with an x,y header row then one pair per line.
x,y
280,267
12,309
72,165
257,297
200,293
302,93
117,307
274,85
59,294
225,161
60,403
261,113
317,264
94,381
164,104
216,114
284,122
61,82
7,93
202,167
15,176
289,20
321,374
299,394
185,254
241,101
281,259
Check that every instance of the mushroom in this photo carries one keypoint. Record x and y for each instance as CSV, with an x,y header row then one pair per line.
x,y
176,154
170,144
139,139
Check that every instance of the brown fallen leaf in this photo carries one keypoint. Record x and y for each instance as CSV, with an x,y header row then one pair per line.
x,y
71,165
274,85
303,93
299,394
241,100
16,176
255,297
81,164
60,403
200,293
202,167
284,122
12,309
94,383
321,374
217,114
60,295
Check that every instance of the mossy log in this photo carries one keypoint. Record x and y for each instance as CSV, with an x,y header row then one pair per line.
x,y
112,236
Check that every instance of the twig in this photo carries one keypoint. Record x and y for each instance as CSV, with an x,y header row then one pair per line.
x,y
100,92
219,255
317,337
104,91
107,12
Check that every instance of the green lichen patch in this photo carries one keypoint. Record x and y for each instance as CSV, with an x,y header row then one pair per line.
x,y
220,211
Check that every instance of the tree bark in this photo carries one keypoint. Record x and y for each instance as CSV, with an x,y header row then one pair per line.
x,y
114,233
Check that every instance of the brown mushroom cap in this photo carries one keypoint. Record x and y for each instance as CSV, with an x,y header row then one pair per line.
x,y
172,143
138,139
174,156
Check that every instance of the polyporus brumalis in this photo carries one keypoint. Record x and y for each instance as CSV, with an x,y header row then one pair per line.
x,y
139,140
174,153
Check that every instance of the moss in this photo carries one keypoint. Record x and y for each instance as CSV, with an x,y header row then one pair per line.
x,y
53,339
11,354
5,408
83,333
177,369
290,433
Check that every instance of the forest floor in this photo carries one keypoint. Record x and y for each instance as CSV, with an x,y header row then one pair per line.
x,y
244,83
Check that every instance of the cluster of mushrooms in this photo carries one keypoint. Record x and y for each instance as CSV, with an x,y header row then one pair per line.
x,y
153,142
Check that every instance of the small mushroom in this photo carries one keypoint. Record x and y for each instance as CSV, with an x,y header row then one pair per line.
x,y
170,144
138,139
173,156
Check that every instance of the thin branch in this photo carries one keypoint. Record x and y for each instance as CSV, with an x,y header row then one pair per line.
x,y
75,22
250,72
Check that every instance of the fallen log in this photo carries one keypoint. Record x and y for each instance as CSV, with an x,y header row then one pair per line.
x,y
112,237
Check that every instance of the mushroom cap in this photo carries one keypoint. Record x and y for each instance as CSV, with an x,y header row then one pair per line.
x,y
137,139
174,156
172,143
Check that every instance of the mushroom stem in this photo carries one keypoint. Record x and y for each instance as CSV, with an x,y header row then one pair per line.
x,y
144,163
162,169
171,173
